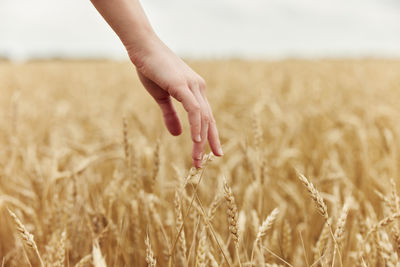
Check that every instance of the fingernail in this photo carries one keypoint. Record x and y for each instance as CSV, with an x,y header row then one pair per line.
x,y
198,138
220,151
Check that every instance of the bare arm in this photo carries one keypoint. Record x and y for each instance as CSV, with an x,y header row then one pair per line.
x,y
163,74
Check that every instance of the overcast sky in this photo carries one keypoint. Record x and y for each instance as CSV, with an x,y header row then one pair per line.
x,y
208,28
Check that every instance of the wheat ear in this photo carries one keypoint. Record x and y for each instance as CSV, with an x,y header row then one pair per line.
x,y
179,225
84,261
156,165
232,213
98,260
321,243
26,236
383,223
286,239
151,261
320,204
60,256
315,195
267,225
201,249
264,228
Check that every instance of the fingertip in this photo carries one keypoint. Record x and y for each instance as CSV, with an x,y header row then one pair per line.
x,y
175,131
216,147
215,143
218,152
197,163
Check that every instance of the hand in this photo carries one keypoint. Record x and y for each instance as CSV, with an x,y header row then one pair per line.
x,y
164,75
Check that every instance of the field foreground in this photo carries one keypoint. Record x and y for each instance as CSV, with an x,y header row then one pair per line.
x,y
89,176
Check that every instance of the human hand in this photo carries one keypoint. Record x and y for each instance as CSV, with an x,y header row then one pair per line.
x,y
164,75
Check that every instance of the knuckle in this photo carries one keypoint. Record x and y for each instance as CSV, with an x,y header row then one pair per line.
x,y
175,94
175,85
206,118
163,100
196,155
202,84
195,108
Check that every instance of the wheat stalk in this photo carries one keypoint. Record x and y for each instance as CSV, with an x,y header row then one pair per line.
x,y
286,239
266,225
338,235
211,260
126,143
26,236
151,261
179,225
84,261
384,222
232,213
264,228
315,195
341,222
214,206
322,241
156,165
60,256
201,249
321,206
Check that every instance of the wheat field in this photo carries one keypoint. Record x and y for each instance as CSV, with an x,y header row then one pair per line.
x,y
89,176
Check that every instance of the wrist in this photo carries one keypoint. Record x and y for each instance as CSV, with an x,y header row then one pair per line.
x,y
142,45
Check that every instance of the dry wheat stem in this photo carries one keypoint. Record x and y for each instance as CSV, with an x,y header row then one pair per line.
x,y
208,224
279,258
186,214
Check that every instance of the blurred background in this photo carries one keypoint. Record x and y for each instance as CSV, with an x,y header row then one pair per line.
x,y
270,29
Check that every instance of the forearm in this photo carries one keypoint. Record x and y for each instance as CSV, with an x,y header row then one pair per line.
x,y
128,20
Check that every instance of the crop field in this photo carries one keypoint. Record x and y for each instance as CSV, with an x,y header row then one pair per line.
x,y
89,176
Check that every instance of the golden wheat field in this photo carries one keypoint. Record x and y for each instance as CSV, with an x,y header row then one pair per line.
x,y
89,176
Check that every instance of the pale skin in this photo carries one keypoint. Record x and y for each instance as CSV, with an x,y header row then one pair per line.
x,y
163,74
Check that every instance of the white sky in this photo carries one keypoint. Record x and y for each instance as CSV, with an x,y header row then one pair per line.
x,y
208,28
